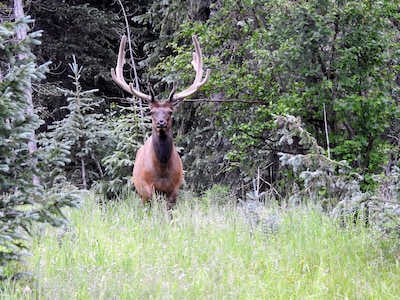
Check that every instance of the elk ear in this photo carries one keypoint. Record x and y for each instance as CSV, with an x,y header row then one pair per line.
x,y
151,93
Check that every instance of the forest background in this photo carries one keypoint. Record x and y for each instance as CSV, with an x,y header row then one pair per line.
x,y
303,96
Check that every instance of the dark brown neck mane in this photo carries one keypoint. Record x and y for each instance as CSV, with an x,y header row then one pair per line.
x,y
163,144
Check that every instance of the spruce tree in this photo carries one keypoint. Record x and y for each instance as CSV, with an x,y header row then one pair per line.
x,y
22,203
82,132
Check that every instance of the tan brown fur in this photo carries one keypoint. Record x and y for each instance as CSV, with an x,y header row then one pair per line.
x,y
158,166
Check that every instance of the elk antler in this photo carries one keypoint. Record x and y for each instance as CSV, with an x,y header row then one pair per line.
x,y
118,77
198,68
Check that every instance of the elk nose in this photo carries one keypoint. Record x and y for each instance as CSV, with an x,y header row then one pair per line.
x,y
161,123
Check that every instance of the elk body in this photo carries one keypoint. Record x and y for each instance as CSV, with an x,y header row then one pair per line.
x,y
158,166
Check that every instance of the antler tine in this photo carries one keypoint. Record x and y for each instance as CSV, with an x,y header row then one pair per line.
x,y
198,68
118,77
171,95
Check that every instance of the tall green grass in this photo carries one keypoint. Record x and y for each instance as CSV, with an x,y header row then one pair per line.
x,y
122,251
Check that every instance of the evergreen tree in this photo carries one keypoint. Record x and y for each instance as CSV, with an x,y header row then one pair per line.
x,y
82,132
22,203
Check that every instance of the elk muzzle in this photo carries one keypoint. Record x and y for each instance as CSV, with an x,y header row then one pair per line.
x,y
161,124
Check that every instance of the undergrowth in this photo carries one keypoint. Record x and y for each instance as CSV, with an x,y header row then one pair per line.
x,y
119,250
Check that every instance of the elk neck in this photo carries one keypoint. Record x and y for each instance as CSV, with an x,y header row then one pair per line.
x,y
163,144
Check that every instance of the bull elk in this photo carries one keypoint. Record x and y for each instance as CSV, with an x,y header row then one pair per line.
x,y
158,166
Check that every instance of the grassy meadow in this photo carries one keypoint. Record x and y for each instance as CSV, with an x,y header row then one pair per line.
x,y
121,251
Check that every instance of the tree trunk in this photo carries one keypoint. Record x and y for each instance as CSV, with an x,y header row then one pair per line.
x,y
21,34
83,170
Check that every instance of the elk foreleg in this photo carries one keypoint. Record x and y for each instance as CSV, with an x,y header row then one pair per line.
x,y
171,200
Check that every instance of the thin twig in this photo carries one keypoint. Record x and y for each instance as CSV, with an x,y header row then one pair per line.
x,y
128,33
260,102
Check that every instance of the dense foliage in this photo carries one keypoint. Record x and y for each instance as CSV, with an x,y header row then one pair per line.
x,y
309,59
332,63
303,95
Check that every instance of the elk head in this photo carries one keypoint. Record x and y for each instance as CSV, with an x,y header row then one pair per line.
x,y
157,164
